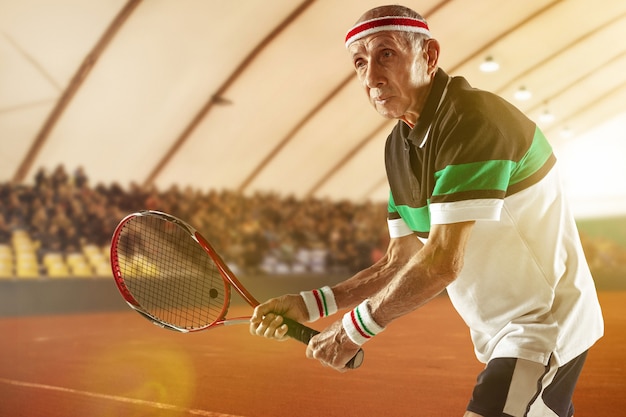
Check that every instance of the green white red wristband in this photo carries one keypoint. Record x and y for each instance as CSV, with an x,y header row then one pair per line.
x,y
320,302
360,325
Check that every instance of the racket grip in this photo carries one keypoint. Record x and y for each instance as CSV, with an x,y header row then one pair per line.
x,y
303,333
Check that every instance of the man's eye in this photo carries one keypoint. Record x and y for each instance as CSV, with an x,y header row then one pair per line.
x,y
359,63
387,53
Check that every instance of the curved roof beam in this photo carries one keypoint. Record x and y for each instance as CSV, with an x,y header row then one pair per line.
x,y
571,45
355,150
577,81
75,84
292,133
218,96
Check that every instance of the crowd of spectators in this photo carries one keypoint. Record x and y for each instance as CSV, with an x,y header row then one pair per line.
x,y
260,233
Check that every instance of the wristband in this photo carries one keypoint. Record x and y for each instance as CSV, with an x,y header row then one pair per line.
x,y
320,302
359,324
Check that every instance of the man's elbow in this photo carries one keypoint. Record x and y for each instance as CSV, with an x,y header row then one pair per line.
x,y
446,271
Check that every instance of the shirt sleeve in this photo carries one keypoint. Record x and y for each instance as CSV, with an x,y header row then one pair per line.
x,y
398,228
396,225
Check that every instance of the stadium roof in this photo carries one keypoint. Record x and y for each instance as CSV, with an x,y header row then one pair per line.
x,y
260,95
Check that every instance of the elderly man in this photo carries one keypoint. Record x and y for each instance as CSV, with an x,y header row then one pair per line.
x,y
475,208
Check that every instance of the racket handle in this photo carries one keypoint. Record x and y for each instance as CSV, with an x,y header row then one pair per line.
x,y
303,333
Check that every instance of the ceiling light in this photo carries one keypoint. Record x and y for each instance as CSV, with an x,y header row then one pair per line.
x,y
566,133
523,94
546,117
489,65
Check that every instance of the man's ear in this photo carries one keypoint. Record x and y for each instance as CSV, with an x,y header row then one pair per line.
x,y
431,54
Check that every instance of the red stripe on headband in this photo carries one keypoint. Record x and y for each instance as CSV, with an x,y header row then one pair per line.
x,y
408,24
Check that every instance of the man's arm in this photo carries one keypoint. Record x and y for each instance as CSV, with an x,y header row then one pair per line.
x,y
424,275
266,320
370,281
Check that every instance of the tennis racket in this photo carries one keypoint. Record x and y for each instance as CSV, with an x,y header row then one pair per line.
x,y
167,272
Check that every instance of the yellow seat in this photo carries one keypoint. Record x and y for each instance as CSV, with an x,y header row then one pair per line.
x,y
20,235
6,256
27,270
75,258
106,252
52,258
103,269
26,265
55,266
58,270
20,239
6,268
25,258
81,270
94,255
90,249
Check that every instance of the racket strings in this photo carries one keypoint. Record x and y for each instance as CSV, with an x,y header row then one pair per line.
x,y
169,274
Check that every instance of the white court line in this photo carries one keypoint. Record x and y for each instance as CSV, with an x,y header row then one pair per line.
x,y
117,398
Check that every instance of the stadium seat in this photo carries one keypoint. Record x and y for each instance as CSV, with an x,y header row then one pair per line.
x,y
6,261
6,268
106,252
20,234
55,266
79,265
90,249
22,242
94,255
5,250
75,258
81,270
27,270
52,258
26,257
103,270
58,270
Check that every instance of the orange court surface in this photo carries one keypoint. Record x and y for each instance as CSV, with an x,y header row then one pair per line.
x,y
118,364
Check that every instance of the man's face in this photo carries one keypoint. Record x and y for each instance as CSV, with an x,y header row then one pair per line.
x,y
393,73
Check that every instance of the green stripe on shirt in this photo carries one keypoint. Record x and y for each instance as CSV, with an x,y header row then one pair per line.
x,y
493,178
495,175
417,218
537,155
488,175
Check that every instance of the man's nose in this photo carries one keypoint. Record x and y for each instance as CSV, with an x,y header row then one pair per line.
x,y
373,76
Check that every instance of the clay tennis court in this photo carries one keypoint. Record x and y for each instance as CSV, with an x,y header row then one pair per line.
x,y
116,363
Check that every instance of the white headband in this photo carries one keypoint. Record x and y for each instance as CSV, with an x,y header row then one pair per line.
x,y
397,23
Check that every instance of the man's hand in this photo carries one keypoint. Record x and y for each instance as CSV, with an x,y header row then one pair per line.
x,y
332,347
267,320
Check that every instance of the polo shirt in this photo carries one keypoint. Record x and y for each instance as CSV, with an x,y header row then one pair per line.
x,y
525,289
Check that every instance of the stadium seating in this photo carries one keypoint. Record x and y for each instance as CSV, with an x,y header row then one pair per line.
x,y
19,259
55,266
6,261
98,260
78,265
26,264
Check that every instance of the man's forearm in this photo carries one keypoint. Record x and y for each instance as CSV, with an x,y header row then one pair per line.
x,y
372,280
425,275
364,284
411,288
